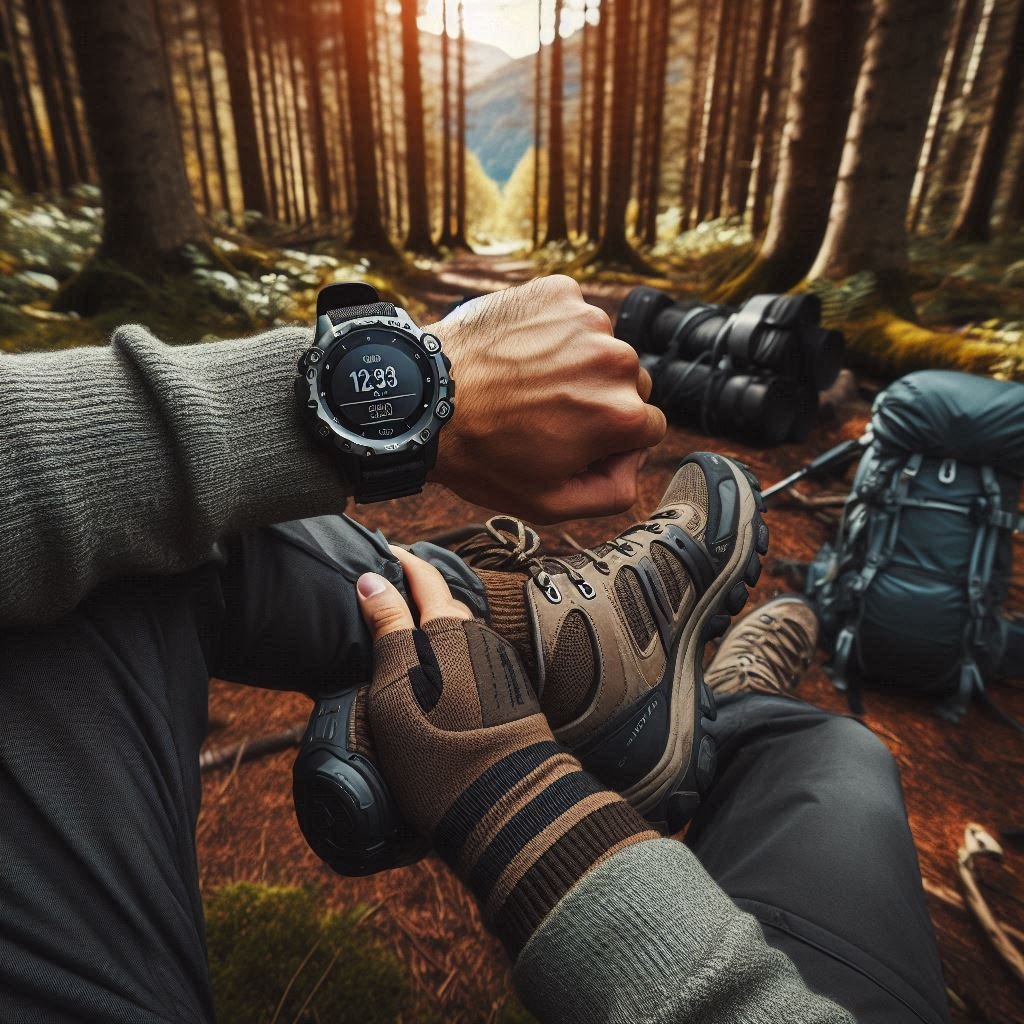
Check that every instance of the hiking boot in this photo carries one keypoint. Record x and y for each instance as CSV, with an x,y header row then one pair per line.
x,y
768,650
615,636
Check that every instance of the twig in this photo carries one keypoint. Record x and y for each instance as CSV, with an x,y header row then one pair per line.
x,y
316,988
978,843
793,496
951,898
249,750
292,980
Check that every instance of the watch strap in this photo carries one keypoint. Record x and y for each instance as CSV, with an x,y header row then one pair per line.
x,y
339,316
399,477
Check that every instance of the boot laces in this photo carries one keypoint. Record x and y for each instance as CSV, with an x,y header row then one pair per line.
x,y
508,544
777,656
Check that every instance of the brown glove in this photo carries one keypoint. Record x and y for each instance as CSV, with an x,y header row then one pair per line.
x,y
472,762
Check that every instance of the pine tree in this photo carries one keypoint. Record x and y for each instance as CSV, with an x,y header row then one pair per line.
x,y
867,226
557,229
148,210
597,117
418,238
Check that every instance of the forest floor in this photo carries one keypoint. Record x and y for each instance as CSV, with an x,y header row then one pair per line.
x,y
952,775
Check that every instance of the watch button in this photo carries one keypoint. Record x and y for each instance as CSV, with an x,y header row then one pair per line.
x,y
443,409
431,344
323,430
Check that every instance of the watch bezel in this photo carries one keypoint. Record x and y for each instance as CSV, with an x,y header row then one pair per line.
x,y
424,430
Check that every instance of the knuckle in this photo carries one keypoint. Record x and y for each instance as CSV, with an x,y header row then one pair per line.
x,y
563,285
597,319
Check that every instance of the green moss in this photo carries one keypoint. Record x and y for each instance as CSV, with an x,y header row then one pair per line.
x,y
268,944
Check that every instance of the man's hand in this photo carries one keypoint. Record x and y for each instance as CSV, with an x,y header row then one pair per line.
x,y
551,419
471,760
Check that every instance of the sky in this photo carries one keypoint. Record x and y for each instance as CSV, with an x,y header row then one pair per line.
x,y
510,25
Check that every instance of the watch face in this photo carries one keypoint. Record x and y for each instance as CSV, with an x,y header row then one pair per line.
x,y
377,383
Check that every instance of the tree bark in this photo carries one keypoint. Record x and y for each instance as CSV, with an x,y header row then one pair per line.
x,y
29,160
734,30
615,247
694,122
459,239
312,35
766,149
594,202
197,130
972,223
711,119
960,36
211,96
368,230
581,148
660,24
867,229
148,210
446,238
557,228
233,36
537,75
47,59
67,84
823,81
418,238
746,136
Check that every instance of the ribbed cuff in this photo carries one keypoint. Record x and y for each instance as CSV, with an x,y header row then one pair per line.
x,y
507,603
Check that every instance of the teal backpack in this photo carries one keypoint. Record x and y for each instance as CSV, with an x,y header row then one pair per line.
x,y
911,594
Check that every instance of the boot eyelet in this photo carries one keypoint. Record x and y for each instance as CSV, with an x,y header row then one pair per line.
x,y
586,590
552,593
627,548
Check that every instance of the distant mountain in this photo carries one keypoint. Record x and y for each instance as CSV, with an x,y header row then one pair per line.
x,y
499,109
482,60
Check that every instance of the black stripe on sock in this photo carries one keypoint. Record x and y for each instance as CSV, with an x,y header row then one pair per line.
x,y
469,809
560,868
551,803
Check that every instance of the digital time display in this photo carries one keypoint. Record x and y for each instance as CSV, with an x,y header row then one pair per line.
x,y
378,383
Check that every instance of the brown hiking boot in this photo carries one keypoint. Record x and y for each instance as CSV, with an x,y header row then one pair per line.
x,y
617,634
767,651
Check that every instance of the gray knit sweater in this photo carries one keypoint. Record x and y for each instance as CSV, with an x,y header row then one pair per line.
x,y
136,457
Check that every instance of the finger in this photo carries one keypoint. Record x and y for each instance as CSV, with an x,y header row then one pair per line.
x,y
429,590
644,384
383,608
605,488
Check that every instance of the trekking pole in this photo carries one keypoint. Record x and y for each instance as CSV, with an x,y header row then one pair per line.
x,y
834,458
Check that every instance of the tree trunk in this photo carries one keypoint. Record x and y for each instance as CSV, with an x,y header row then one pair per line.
x,y
960,36
766,148
211,96
734,30
47,59
313,35
148,211
581,148
557,229
418,239
67,84
234,47
867,229
460,135
711,119
397,177
341,101
383,172
660,25
29,160
594,206
975,212
446,238
368,231
537,74
614,247
746,127
694,122
823,81
197,129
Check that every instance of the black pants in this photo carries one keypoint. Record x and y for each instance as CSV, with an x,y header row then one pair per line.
x,y
101,721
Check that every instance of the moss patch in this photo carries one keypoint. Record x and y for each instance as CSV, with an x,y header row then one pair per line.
x,y
277,956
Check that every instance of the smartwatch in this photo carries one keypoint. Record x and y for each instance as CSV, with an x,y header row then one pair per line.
x,y
376,389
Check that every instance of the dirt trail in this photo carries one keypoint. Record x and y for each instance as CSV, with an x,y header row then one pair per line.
x,y
951,774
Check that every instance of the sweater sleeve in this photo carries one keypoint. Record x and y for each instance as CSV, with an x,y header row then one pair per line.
x,y
648,937
136,457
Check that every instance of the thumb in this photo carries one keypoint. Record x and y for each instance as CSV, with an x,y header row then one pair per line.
x,y
383,608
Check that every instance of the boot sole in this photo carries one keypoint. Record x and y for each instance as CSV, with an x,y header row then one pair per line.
x,y
671,791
